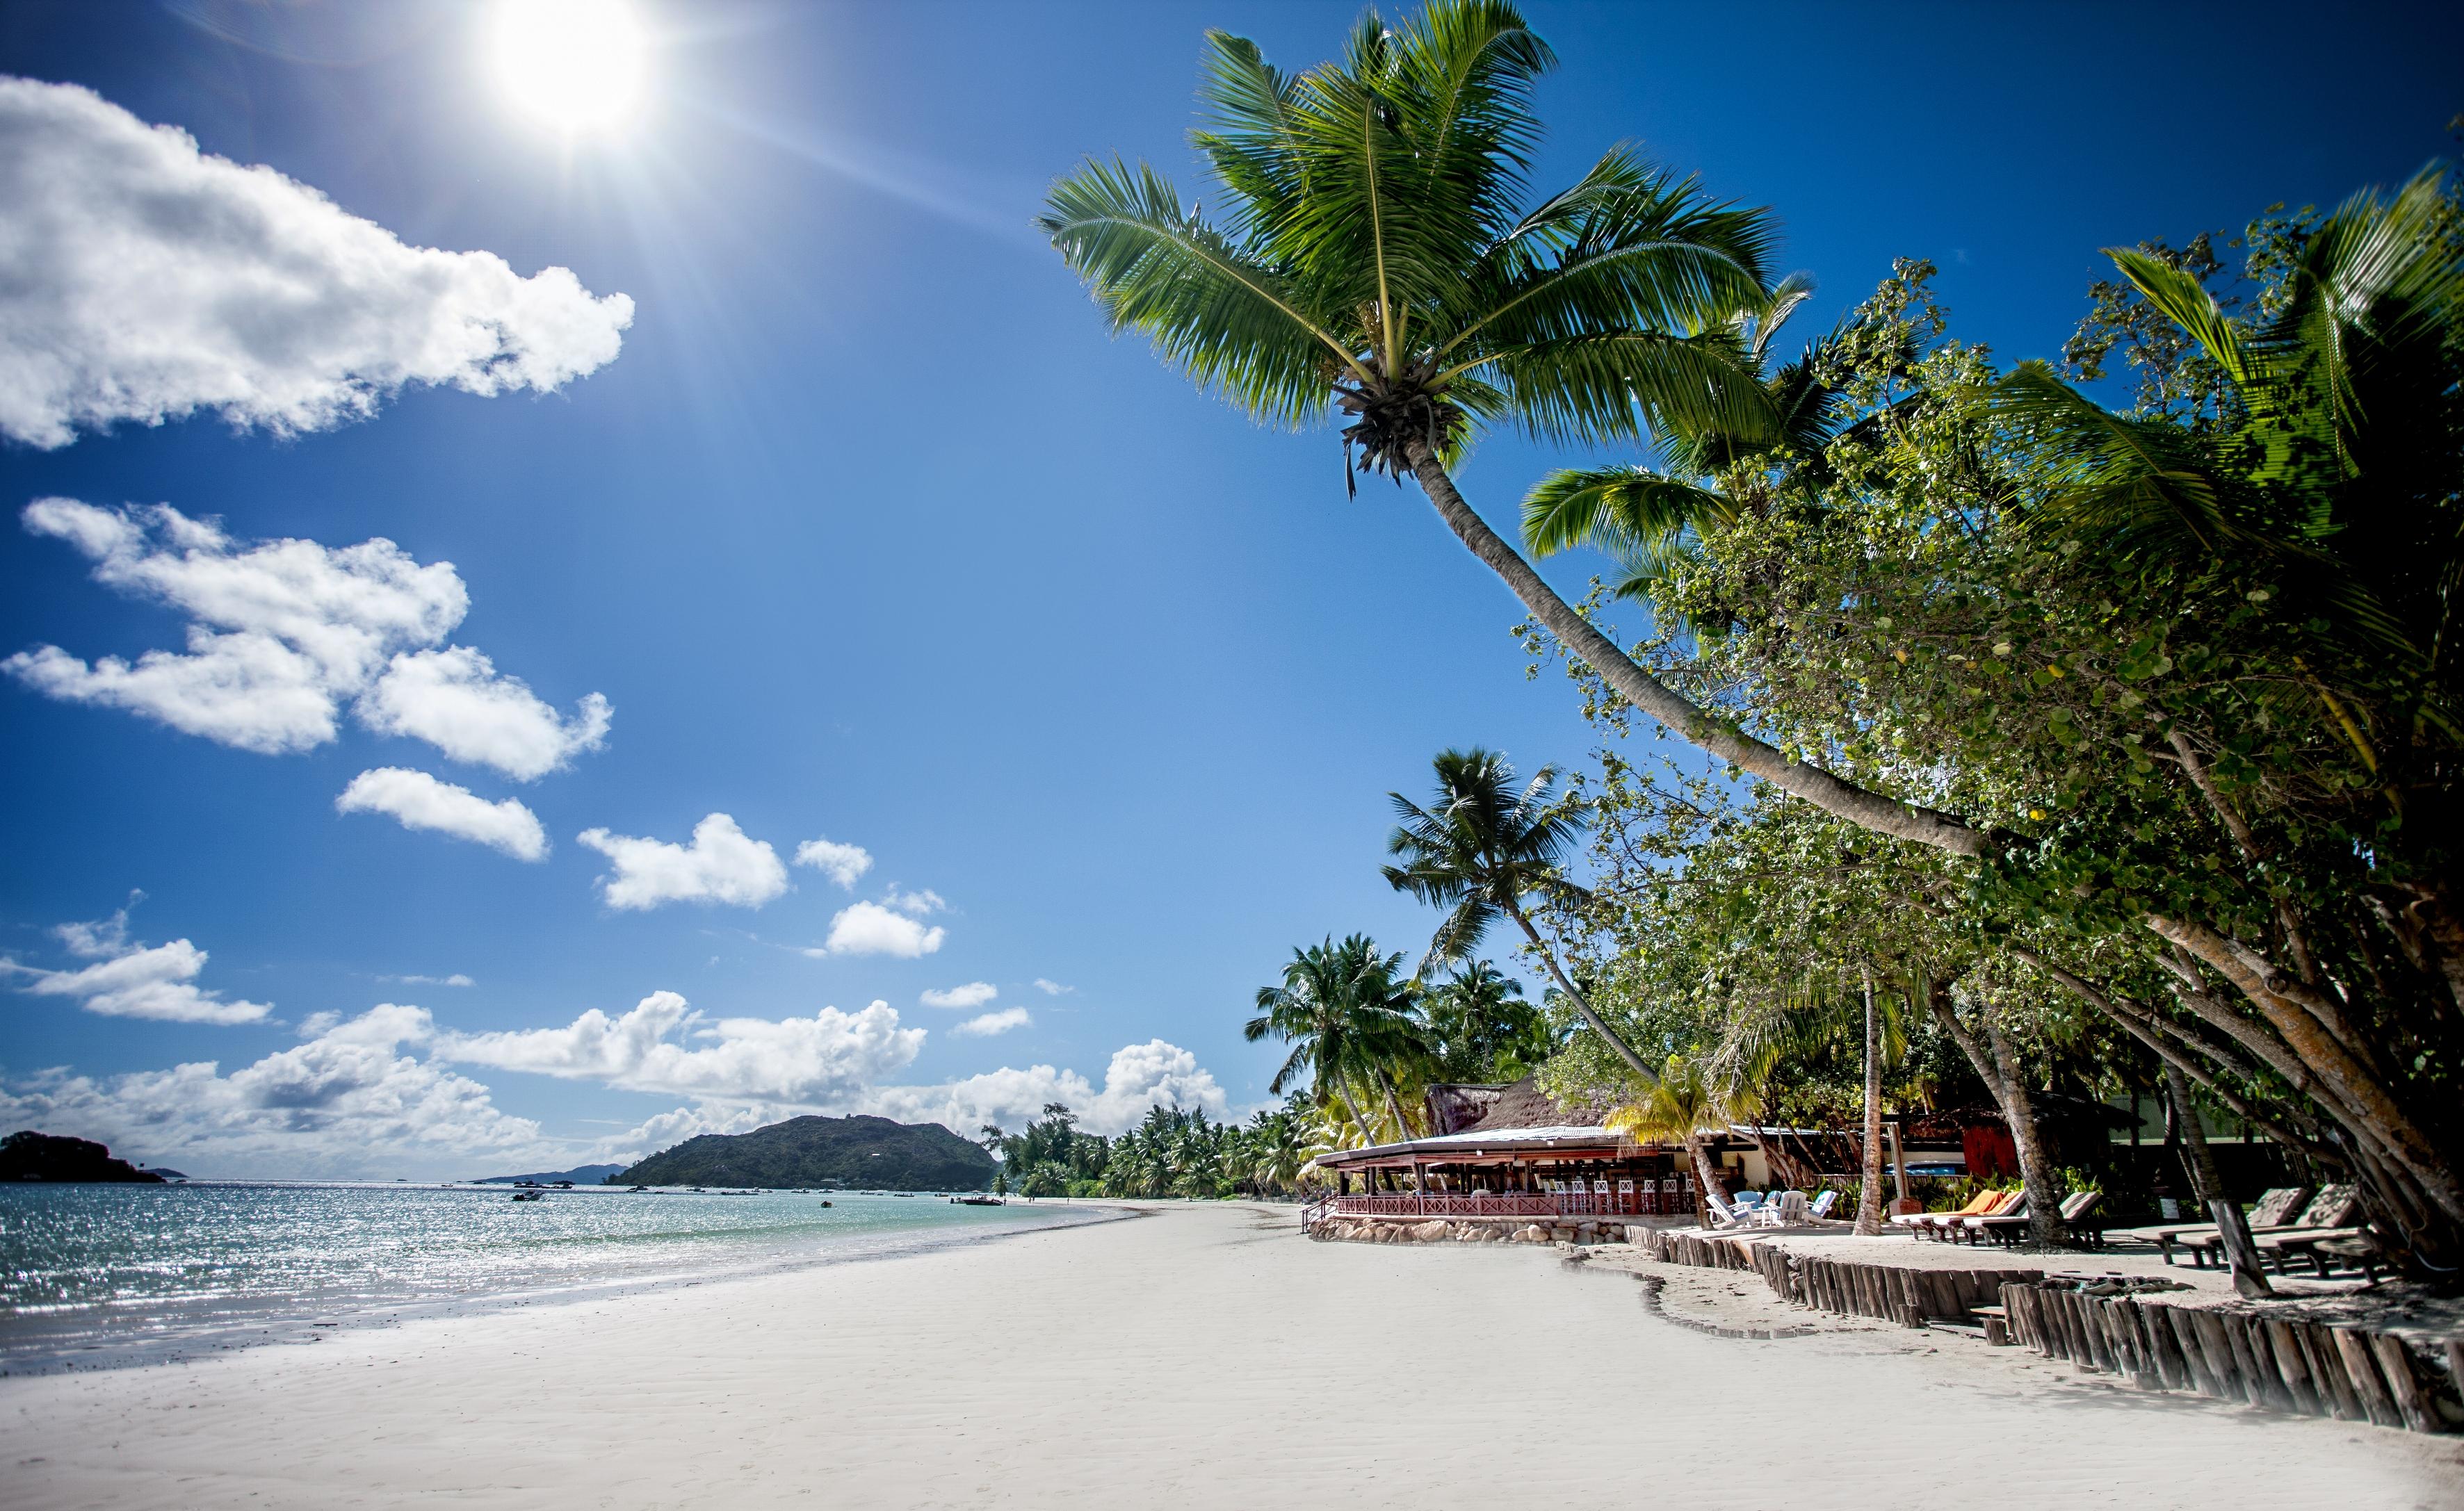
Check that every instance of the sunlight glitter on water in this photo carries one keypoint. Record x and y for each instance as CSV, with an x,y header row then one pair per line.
x,y
100,1270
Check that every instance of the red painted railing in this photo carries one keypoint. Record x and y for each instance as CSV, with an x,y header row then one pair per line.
x,y
1510,1204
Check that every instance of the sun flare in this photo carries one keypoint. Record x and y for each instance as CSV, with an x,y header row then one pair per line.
x,y
578,65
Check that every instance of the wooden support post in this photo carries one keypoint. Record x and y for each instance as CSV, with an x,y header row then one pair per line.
x,y
2293,1368
2412,1401
2185,1329
2361,1368
2251,1353
2327,1370
2218,1352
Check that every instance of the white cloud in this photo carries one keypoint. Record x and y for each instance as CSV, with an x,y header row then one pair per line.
x,y
1140,1076
722,866
661,1044
130,979
915,905
975,993
841,864
420,801
458,979
986,1025
147,280
284,633
871,928
454,700
1051,988
335,1104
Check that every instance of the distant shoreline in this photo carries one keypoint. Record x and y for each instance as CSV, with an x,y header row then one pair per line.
x,y
50,1341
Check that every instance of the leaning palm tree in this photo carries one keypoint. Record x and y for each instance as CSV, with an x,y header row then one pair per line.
x,y
1482,847
1685,1104
1378,253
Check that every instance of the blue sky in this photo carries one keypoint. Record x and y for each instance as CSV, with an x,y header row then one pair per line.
x,y
868,532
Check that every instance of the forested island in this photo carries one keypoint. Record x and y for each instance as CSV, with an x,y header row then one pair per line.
x,y
868,1153
28,1155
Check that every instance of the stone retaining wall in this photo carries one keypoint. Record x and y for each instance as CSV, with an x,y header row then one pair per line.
x,y
1441,1229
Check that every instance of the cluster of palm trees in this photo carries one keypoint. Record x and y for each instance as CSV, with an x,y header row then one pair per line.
x,y
1173,1151
1366,1035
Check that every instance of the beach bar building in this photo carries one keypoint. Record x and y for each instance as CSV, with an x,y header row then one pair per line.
x,y
1509,1152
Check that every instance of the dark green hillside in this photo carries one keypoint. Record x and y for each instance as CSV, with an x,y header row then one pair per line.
x,y
861,1151
28,1155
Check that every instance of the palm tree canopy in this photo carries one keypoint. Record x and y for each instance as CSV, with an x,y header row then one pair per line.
x,y
1685,1102
1482,846
1377,249
1346,1010
2328,472
1649,520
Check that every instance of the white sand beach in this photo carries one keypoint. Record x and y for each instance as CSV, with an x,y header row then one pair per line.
x,y
1203,1356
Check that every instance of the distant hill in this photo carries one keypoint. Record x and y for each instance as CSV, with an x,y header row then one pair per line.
x,y
579,1174
860,1151
28,1155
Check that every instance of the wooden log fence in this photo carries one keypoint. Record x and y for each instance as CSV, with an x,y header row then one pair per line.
x,y
2279,1364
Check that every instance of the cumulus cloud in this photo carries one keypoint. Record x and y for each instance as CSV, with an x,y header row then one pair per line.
x,y
419,801
283,634
1051,988
130,979
1140,1076
871,928
841,864
975,993
332,1105
663,1045
722,866
454,700
149,280
986,1024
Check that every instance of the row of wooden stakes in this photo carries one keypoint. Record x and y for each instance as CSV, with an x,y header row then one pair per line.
x,y
2281,1363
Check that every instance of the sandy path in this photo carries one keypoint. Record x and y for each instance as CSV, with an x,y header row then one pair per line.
x,y
1203,1357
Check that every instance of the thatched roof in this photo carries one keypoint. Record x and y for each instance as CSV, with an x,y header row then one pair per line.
x,y
1523,1105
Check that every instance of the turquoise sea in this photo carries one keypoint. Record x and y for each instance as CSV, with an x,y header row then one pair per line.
x,y
118,1274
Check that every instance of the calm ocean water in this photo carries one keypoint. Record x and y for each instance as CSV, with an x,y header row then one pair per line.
x,y
118,1274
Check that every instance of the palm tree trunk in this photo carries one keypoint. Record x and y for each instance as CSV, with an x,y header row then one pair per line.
x,y
1706,1176
1368,1135
2250,1276
1998,1069
1869,1195
2035,1172
1395,1103
1582,1003
1688,720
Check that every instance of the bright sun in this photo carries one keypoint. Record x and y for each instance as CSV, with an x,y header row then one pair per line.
x,y
578,65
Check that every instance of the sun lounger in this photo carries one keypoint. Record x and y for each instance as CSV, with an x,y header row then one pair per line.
x,y
2281,1249
2011,1227
1822,1205
2276,1209
1953,1227
1921,1223
2334,1206
1722,1216
2012,1207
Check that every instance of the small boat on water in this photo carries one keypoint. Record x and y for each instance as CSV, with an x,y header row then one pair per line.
x,y
530,1195
978,1201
